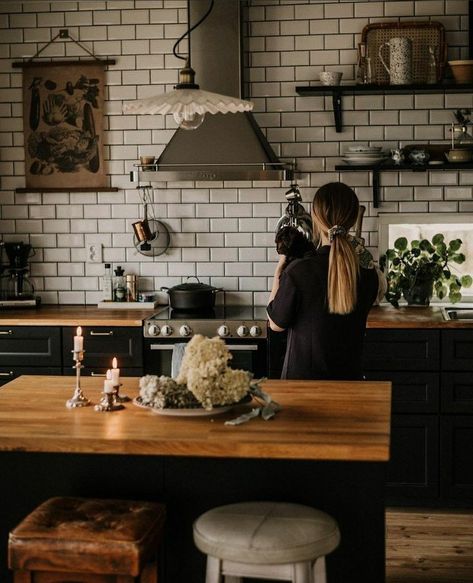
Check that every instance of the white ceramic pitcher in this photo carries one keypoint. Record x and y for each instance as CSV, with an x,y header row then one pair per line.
x,y
400,60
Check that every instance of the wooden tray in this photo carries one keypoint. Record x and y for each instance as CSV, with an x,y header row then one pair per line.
x,y
422,35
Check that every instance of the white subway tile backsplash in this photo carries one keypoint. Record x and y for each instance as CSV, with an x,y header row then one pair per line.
x,y
224,232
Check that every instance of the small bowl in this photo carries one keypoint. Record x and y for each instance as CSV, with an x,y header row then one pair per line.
x,y
462,71
458,155
330,77
147,162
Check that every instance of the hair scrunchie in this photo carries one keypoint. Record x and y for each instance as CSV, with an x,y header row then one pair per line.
x,y
335,231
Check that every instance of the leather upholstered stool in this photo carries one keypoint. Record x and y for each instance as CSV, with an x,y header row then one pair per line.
x,y
266,540
86,540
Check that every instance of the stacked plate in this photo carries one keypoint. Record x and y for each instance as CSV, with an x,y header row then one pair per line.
x,y
364,155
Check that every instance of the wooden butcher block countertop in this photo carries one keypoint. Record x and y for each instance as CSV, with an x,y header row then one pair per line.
x,y
74,316
404,317
379,317
319,420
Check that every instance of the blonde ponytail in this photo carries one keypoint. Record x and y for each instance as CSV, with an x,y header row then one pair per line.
x,y
335,208
343,271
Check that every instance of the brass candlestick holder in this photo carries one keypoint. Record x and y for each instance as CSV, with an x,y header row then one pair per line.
x,y
78,398
117,398
108,403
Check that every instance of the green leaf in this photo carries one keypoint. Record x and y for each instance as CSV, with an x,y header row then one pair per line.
x,y
438,238
400,244
415,244
458,258
425,245
396,261
390,254
455,245
466,280
446,273
454,297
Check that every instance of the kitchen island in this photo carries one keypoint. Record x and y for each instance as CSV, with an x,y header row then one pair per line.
x,y
328,448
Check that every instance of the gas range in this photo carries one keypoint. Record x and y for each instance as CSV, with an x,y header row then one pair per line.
x,y
225,321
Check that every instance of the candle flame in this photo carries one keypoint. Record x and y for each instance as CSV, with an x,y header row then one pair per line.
x,y
109,375
114,362
79,331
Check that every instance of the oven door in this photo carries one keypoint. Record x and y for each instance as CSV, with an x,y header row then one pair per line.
x,y
247,354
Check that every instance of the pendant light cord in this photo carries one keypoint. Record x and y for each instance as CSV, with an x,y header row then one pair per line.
x,y
189,30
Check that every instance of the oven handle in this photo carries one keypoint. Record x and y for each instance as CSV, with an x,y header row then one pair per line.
x,y
235,347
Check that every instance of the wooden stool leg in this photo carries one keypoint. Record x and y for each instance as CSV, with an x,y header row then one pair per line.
x,y
149,574
319,573
302,572
22,577
214,570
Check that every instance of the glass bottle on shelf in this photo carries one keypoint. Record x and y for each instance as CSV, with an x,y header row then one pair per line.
x,y
431,66
368,71
107,284
119,285
360,67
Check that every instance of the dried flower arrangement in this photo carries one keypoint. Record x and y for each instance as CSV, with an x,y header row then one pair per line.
x,y
204,381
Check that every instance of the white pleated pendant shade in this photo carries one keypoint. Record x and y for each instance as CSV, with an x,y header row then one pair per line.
x,y
187,102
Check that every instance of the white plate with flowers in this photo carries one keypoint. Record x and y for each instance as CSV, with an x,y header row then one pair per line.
x,y
197,411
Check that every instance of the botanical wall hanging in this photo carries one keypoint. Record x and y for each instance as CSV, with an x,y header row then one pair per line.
x,y
63,122
62,113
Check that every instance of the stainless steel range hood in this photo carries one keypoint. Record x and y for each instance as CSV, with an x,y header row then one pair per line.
x,y
226,146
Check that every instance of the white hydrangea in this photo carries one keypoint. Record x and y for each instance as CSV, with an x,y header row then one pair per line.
x,y
205,379
206,372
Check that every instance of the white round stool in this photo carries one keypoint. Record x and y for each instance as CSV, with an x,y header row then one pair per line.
x,y
266,540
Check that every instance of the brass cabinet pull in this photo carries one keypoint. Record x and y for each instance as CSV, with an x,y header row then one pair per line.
x,y
6,332
7,374
109,333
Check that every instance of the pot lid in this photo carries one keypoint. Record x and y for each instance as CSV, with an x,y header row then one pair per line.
x,y
193,287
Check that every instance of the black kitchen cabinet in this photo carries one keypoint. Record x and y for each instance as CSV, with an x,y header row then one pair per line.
x,y
34,350
402,350
432,404
413,469
30,346
101,344
456,454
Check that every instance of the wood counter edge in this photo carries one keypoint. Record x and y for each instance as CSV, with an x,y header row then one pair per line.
x,y
353,453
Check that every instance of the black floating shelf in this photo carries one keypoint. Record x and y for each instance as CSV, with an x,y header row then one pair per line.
x,y
388,166
337,91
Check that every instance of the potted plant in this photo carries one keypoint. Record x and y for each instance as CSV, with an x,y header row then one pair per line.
x,y
418,270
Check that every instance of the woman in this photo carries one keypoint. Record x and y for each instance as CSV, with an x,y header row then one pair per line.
x,y
323,299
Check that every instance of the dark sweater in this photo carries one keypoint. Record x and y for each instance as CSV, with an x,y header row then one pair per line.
x,y
320,345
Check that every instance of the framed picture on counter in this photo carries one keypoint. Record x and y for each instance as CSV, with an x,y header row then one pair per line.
x,y
63,125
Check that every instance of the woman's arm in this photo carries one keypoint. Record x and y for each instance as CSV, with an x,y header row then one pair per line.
x,y
274,290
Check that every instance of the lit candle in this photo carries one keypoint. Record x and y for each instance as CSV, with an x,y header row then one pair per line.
x,y
108,383
78,340
115,372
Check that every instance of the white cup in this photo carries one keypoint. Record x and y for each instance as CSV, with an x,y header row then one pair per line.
x,y
330,77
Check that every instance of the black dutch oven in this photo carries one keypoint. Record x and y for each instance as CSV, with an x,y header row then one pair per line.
x,y
192,296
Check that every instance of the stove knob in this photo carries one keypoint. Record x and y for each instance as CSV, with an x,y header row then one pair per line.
x,y
153,330
223,331
166,330
185,330
242,331
255,331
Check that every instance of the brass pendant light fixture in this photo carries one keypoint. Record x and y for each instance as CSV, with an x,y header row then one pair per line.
x,y
187,102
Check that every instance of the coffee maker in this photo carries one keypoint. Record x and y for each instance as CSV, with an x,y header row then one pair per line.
x,y
16,289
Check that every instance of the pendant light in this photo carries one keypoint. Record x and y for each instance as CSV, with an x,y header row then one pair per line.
x,y
188,103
